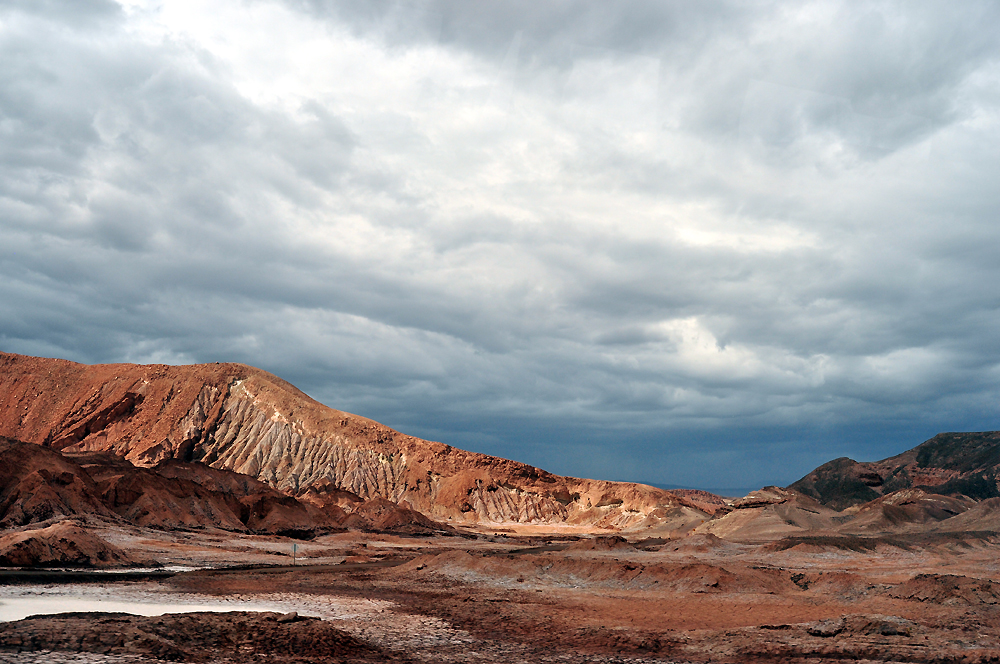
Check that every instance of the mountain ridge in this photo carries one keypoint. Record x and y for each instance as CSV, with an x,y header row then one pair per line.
x,y
239,418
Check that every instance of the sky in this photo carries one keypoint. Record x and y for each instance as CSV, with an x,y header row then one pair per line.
x,y
700,244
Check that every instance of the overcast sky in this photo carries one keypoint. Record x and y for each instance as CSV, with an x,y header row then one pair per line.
x,y
690,243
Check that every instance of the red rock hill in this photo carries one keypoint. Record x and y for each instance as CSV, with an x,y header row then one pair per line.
x,y
235,417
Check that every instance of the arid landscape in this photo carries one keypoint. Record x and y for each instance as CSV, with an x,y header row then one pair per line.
x,y
214,513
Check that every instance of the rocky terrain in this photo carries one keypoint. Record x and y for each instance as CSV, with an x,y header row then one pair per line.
x,y
195,637
50,503
517,599
238,418
320,536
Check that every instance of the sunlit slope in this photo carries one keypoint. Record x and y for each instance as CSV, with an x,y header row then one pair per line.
x,y
239,418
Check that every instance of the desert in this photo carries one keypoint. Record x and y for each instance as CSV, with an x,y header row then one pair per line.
x,y
546,332
214,513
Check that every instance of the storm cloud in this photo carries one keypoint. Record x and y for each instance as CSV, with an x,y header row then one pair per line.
x,y
705,244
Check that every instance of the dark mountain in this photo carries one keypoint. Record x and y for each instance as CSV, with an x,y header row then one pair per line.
x,y
949,464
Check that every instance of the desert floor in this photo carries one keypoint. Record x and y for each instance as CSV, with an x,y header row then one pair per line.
x,y
520,597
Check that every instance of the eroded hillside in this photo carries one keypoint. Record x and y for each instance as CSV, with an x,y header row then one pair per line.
x,y
239,418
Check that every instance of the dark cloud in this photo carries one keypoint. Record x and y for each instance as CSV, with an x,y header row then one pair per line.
x,y
671,242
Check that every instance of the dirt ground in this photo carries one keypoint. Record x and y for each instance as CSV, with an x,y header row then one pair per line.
x,y
516,597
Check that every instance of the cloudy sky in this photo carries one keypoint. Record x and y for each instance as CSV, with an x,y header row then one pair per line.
x,y
700,244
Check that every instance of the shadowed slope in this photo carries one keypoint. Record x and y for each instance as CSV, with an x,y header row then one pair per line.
x,y
38,485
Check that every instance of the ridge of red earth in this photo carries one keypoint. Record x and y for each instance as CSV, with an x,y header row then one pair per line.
x,y
39,486
239,418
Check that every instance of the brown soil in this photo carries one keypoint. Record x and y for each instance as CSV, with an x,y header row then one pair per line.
x,y
588,608
602,543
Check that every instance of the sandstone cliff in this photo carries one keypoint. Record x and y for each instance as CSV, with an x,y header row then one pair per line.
x,y
239,418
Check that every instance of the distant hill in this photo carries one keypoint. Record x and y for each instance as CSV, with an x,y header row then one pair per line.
x,y
944,486
949,464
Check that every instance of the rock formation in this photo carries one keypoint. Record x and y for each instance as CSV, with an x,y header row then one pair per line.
x,y
192,637
38,485
63,544
41,489
242,419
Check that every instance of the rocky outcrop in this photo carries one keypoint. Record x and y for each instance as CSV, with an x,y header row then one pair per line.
x,y
223,638
235,417
948,589
769,495
39,486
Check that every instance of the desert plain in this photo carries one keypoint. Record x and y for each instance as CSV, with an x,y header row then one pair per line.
x,y
556,598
